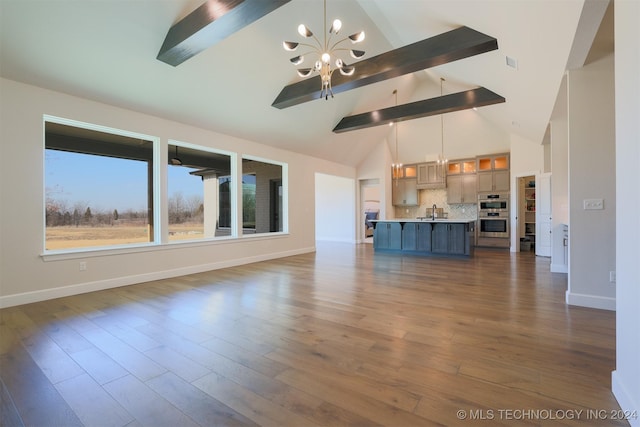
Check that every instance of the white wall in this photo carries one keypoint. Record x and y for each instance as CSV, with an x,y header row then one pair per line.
x,y
626,377
25,276
592,168
559,180
467,133
335,208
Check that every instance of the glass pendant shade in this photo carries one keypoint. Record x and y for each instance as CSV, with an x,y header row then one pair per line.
x,y
335,27
290,46
305,72
304,31
357,37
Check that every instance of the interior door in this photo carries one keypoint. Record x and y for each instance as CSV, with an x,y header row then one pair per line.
x,y
543,214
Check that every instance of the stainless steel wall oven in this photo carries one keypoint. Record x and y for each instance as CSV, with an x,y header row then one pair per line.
x,y
495,202
493,224
493,215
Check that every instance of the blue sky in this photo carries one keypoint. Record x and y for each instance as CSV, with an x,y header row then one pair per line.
x,y
106,183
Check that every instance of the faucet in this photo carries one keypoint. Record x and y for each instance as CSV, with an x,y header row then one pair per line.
x,y
433,212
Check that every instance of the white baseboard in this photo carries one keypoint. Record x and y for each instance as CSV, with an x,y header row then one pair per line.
x,y
81,288
337,240
625,400
591,301
559,268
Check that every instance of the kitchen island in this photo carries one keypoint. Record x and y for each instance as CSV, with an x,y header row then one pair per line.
x,y
454,237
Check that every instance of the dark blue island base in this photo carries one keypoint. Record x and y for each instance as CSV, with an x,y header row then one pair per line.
x,y
425,237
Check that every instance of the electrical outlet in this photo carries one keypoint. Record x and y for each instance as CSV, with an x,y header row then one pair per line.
x,y
612,276
83,266
593,204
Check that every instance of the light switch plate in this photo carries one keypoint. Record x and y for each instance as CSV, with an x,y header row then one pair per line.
x,y
593,204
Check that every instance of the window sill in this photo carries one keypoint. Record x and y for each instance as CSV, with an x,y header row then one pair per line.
x,y
82,253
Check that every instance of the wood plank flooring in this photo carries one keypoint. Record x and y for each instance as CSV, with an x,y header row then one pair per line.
x,y
341,337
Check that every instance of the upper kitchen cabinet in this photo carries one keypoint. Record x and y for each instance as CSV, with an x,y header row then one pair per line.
x,y
404,171
492,162
462,181
404,186
462,188
430,176
404,192
456,167
493,173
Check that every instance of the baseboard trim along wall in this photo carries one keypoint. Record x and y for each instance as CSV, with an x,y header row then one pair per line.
x,y
625,400
591,301
559,268
336,240
81,288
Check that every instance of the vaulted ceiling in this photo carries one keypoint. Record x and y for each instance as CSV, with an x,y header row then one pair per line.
x,y
107,50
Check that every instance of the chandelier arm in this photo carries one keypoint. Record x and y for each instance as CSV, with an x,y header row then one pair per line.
x,y
317,41
327,43
338,42
339,49
310,51
316,48
343,49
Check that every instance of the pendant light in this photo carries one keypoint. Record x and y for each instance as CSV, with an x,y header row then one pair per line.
x,y
397,166
442,161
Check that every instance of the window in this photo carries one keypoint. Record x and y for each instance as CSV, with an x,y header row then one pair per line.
x,y
262,196
199,204
86,171
103,189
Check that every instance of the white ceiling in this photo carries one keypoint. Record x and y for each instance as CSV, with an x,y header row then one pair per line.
x,y
106,51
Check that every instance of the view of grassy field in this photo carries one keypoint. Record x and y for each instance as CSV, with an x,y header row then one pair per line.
x,y
70,237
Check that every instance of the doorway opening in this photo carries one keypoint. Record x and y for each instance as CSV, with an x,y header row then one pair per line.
x,y
526,227
370,205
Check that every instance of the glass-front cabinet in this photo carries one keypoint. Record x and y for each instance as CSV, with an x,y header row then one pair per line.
x,y
404,186
462,181
404,171
456,167
493,162
493,172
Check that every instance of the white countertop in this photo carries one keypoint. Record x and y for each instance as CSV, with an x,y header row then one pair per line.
x,y
429,220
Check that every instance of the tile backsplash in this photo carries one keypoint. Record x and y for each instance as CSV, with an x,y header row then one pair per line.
x,y
427,198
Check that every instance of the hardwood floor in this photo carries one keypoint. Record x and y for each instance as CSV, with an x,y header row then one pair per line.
x,y
340,337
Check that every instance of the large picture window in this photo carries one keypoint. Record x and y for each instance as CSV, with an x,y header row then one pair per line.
x,y
97,188
197,183
263,207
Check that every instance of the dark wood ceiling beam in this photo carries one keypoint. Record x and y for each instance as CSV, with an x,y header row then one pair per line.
x,y
210,23
456,44
429,107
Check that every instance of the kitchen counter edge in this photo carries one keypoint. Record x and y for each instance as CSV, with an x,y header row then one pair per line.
x,y
443,220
